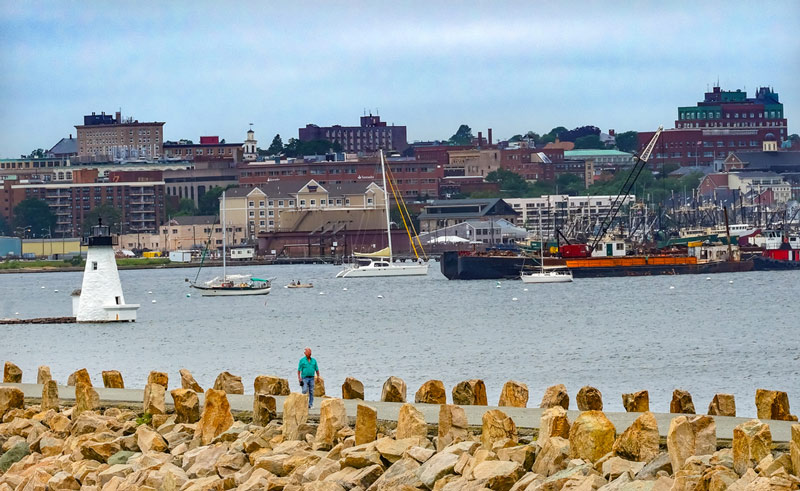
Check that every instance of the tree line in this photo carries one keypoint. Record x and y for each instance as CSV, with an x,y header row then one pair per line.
x,y
584,137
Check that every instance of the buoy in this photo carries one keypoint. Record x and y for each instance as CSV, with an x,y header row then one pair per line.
x,y
43,287
322,293
731,281
380,296
153,301
17,313
498,286
524,289
150,293
55,291
672,288
188,295
514,299
344,289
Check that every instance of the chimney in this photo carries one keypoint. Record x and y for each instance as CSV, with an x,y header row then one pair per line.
x,y
611,132
119,117
70,136
490,137
480,138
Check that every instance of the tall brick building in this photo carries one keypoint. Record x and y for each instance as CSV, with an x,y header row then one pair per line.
x,y
103,137
372,135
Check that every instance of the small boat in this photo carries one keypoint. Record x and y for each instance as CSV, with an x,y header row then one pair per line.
x,y
300,285
560,275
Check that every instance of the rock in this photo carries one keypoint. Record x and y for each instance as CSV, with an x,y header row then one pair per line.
x,y
229,383
10,398
62,481
394,390
50,446
12,374
497,426
264,409
160,378
616,466
722,405
118,471
86,398
120,457
270,385
555,395
420,454
688,436
514,394
188,381
591,436
772,404
794,449
452,425
154,395
295,414
149,440
435,468
553,422
393,450
498,474
636,402
589,399
401,475
366,424
352,389
187,405
49,395
112,379
43,374
410,423
79,375
216,417
553,456
470,393
332,418
660,463
681,402
752,441
431,392
14,455
524,455
640,441
319,387
355,479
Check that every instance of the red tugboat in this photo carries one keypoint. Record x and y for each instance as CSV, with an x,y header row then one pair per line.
x,y
781,258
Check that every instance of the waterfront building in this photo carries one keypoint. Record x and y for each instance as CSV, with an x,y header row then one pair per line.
x,y
53,248
193,180
439,214
554,209
759,186
370,136
500,231
105,138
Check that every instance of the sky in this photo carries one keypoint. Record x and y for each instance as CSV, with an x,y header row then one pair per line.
x,y
212,68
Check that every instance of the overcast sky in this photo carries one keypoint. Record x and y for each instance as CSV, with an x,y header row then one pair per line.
x,y
211,68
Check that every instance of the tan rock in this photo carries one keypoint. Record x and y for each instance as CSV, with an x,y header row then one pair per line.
x,y
410,423
86,398
722,405
470,393
431,392
496,426
522,454
188,381
43,374
187,405
271,385
402,475
452,425
553,456
636,402
79,375
773,404
10,398
50,395
295,414
153,401
264,409
394,390
332,418
62,481
752,441
435,468
681,402
794,449
689,436
591,436
553,422
589,399
393,450
366,424
319,387
352,389
229,383
150,440
555,395
112,379
498,474
216,417
639,442
160,378
514,394
12,374
615,466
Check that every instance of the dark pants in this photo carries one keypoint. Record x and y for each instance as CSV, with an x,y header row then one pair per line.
x,y
308,387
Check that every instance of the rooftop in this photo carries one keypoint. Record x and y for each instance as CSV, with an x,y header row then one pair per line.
x,y
194,220
596,152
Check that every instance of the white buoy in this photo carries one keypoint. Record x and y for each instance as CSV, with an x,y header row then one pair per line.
x,y
344,289
152,301
514,299
17,313
322,293
672,288
188,295
149,293
43,287
731,281
708,278
524,289
55,291
498,286
380,296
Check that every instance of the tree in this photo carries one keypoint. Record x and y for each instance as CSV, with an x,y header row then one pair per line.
x,y
570,184
589,141
557,132
627,141
276,148
186,207
111,216
533,137
209,202
297,148
32,215
39,153
463,136
5,227
515,138
511,183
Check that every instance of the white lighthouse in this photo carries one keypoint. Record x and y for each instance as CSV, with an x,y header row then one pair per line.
x,y
100,298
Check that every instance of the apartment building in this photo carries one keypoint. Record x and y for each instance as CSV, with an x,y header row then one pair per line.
x,y
103,137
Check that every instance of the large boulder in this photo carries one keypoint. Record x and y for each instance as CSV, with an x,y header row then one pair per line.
x,y
295,414
12,374
452,425
410,423
14,455
553,423
431,392
352,389
552,457
496,426
81,375
332,418
154,399
794,449
689,436
498,474
319,387
773,404
589,399
555,395
160,378
264,409
722,405
187,405
112,379
271,385
86,398
436,468
470,393
640,441
591,436
150,440
636,402
366,424
229,383
681,402
514,394
188,381
43,374
49,395
752,441
394,390
216,417
10,398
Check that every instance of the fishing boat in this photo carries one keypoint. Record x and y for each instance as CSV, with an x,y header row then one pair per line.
x,y
554,275
381,263
300,285
230,285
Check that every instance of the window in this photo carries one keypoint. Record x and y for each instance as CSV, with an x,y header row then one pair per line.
x,y
369,201
302,202
261,222
94,265
261,203
252,213
271,203
252,204
322,202
271,213
313,202
261,213
291,202
280,203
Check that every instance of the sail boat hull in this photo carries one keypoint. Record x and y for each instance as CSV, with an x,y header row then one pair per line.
x,y
210,291
367,271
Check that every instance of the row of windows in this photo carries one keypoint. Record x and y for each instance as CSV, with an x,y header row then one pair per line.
x,y
716,115
745,124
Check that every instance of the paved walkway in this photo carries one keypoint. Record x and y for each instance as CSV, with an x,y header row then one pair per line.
x,y
527,418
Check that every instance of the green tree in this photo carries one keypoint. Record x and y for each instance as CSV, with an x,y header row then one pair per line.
x,y
39,153
297,148
276,147
557,132
110,214
548,138
463,136
32,215
533,136
627,141
515,138
186,207
570,184
511,184
588,141
209,202
5,227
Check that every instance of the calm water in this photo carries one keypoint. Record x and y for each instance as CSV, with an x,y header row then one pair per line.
x,y
618,334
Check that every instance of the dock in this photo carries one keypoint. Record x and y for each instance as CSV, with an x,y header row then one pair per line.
x,y
40,320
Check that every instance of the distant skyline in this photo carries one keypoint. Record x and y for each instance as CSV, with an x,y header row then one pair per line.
x,y
211,68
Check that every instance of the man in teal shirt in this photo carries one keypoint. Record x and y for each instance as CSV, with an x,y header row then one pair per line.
x,y
306,370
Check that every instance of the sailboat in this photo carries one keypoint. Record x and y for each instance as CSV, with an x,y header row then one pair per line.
x,y
552,275
380,263
230,285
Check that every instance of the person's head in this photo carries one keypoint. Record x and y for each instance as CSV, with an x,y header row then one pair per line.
x,y
307,351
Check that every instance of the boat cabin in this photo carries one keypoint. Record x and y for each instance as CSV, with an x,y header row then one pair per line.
x,y
610,248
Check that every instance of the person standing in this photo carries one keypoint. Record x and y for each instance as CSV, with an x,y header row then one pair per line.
x,y
307,369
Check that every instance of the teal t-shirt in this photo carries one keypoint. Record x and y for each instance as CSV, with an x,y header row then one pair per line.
x,y
307,367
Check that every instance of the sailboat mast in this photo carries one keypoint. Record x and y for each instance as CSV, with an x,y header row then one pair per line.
x,y
224,236
386,205
541,244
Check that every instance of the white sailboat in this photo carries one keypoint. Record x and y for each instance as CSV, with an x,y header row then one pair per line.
x,y
549,275
380,263
231,285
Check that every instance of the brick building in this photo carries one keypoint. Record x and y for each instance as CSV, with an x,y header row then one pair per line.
x,y
105,138
209,148
372,135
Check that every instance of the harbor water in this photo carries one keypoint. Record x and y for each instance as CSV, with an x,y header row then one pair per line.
x,y
729,333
